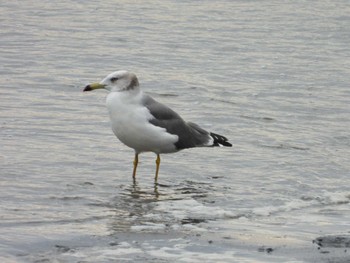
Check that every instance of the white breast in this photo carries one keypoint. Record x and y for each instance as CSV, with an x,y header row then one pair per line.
x,y
129,119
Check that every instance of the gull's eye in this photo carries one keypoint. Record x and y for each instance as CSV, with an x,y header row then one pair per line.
x,y
114,79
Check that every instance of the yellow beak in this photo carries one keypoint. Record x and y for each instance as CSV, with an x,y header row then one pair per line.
x,y
94,86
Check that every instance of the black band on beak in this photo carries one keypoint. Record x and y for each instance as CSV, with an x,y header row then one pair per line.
x,y
87,88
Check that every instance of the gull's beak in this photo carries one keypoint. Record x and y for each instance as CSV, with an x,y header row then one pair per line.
x,y
94,86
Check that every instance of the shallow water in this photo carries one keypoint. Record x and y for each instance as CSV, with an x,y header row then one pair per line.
x,y
273,77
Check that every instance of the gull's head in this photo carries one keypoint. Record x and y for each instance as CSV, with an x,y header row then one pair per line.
x,y
117,81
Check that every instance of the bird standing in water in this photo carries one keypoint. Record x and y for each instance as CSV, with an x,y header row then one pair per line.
x,y
146,125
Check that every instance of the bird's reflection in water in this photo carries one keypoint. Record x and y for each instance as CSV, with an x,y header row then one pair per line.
x,y
133,207
137,206
137,193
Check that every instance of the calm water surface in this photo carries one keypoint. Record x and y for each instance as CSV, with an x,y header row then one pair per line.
x,y
272,76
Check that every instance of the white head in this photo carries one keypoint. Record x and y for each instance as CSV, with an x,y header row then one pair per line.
x,y
117,81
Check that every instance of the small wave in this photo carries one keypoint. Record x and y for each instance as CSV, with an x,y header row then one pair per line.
x,y
328,199
256,118
193,210
284,146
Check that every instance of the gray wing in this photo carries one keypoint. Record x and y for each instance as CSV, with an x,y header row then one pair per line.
x,y
190,134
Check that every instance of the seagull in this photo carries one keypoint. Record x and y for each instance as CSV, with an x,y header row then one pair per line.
x,y
146,125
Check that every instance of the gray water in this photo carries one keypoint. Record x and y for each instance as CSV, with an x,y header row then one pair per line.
x,y
272,76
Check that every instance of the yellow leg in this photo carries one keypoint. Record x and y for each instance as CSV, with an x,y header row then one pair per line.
x,y
136,161
157,168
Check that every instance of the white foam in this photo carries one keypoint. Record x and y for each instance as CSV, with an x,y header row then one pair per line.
x,y
326,198
336,198
190,208
103,254
148,226
288,206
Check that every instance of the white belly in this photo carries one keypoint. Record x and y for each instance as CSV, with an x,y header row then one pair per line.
x,y
130,124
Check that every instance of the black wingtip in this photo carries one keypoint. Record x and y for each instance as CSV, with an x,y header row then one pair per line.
x,y
220,140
